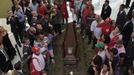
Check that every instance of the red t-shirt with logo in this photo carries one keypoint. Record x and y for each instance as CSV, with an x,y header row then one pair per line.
x,y
106,29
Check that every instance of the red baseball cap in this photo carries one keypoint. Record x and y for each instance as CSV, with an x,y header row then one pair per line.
x,y
35,49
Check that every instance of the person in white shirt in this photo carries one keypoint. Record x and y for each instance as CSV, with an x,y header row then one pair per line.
x,y
38,60
96,30
39,42
101,52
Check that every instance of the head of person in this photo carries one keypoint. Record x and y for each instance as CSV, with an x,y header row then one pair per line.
x,y
36,50
32,30
17,65
26,41
46,16
10,13
39,27
98,18
97,60
100,46
108,21
122,7
106,2
55,6
117,29
16,2
17,7
34,1
114,51
88,4
105,38
2,31
39,37
34,14
105,66
119,43
122,58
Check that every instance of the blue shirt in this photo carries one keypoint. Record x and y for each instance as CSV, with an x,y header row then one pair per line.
x,y
20,14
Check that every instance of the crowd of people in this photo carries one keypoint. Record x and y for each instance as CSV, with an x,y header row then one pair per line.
x,y
112,42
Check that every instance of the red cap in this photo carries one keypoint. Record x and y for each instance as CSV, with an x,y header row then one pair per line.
x,y
35,49
108,20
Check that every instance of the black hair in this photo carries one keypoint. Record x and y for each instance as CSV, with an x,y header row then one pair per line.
x,y
24,39
122,55
107,63
122,5
107,1
120,28
114,51
97,60
17,66
107,39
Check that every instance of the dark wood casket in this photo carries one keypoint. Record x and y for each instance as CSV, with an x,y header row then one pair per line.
x,y
70,45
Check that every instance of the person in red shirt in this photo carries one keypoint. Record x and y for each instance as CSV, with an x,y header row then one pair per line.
x,y
84,18
41,9
106,26
64,11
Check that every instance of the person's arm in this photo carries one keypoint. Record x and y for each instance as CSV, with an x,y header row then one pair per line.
x,y
111,69
95,71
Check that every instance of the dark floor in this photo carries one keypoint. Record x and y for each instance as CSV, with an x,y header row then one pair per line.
x,y
85,54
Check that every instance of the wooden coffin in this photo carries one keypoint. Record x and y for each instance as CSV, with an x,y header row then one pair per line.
x,y
70,45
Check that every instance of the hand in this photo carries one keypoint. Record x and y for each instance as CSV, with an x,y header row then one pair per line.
x,y
110,63
94,68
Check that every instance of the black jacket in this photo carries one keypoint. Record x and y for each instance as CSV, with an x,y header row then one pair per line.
x,y
13,23
129,15
10,49
105,13
121,18
126,32
130,49
5,65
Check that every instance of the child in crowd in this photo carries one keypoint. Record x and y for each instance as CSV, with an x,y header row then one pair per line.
x,y
39,42
18,70
37,64
39,28
101,52
115,61
95,65
27,52
107,68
